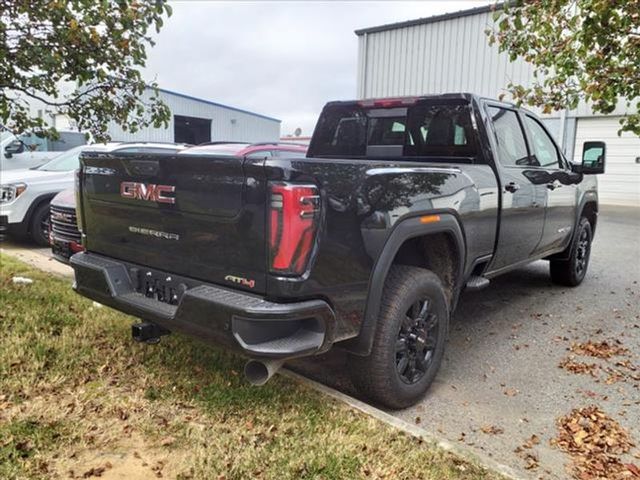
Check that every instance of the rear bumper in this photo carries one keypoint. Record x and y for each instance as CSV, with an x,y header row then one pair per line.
x,y
237,320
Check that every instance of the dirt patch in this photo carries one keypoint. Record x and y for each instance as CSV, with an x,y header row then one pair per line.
x,y
131,460
38,257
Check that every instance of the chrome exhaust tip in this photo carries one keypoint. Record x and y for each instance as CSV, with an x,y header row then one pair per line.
x,y
258,372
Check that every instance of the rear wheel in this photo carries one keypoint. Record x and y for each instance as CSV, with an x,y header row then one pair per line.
x,y
39,228
571,272
409,341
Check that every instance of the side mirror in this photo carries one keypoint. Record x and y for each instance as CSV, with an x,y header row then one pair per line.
x,y
13,148
593,158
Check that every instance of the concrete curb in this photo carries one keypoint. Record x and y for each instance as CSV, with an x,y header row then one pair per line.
x,y
35,258
408,428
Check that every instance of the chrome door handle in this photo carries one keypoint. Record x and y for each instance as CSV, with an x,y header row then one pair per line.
x,y
512,187
553,185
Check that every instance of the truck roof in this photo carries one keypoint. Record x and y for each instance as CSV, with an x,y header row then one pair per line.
x,y
400,101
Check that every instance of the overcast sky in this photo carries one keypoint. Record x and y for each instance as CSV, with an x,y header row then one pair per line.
x,y
282,59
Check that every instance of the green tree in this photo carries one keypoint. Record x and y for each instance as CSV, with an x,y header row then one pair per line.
x,y
582,49
98,46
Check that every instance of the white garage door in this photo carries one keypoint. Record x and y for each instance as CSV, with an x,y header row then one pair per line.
x,y
620,185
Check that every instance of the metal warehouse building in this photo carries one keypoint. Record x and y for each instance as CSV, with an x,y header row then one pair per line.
x,y
451,53
194,120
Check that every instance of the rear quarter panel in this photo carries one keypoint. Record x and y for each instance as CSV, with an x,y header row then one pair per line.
x,y
363,201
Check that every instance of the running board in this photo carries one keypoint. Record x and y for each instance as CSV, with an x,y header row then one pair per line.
x,y
477,283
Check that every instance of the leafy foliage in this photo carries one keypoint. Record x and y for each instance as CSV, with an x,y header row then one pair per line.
x,y
582,49
96,47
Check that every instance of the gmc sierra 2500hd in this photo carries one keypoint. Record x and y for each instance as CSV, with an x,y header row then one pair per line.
x,y
364,244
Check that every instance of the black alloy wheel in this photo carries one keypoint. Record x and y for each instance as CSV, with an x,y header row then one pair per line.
x,y
583,249
571,272
409,339
417,340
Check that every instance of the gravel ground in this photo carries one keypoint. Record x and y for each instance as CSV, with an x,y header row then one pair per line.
x,y
502,363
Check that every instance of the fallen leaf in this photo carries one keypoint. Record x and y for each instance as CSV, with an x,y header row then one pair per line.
x,y
165,442
511,392
491,430
595,442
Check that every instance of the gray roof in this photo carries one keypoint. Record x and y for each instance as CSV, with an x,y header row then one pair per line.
x,y
216,104
433,19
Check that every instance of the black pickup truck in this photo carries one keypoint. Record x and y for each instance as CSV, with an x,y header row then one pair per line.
x,y
364,244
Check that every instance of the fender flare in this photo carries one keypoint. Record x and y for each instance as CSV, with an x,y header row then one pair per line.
x,y
588,197
405,230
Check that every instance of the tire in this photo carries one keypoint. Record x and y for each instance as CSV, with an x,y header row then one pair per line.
x,y
393,375
39,226
571,272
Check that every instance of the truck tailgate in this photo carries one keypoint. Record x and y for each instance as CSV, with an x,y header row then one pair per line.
x,y
197,215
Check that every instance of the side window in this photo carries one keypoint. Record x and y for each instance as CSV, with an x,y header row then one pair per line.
x,y
67,141
544,150
34,143
512,148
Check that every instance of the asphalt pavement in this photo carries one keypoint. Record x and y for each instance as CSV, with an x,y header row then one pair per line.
x,y
501,383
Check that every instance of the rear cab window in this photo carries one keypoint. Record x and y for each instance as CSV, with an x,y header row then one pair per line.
x,y
428,128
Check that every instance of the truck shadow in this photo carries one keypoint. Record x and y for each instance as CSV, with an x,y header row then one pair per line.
x,y
478,317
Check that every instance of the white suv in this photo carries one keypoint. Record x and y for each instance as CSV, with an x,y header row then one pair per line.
x,y
29,149
25,195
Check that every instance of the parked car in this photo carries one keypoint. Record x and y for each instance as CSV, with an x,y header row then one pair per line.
x,y
64,235
25,195
366,243
30,149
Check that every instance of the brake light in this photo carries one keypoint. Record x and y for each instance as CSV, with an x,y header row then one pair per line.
x,y
294,215
389,102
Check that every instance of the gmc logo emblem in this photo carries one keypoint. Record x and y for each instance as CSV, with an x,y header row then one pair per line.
x,y
148,192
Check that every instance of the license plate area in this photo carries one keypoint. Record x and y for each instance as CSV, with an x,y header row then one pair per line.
x,y
61,249
159,286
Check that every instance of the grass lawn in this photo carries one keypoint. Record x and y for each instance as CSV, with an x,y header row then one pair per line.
x,y
79,399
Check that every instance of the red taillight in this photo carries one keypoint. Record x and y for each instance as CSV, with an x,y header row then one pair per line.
x,y
293,222
76,247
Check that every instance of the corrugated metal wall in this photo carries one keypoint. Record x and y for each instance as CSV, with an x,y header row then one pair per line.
x,y
446,56
449,55
226,123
